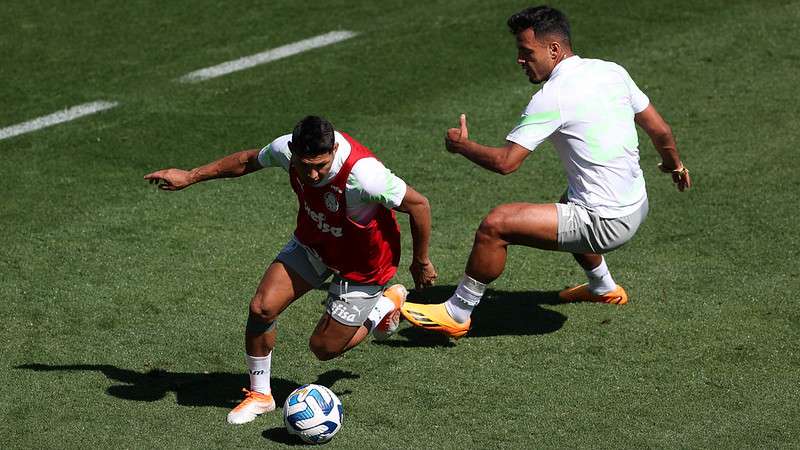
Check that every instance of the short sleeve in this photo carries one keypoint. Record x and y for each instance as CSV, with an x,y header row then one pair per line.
x,y
639,100
541,118
277,153
377,184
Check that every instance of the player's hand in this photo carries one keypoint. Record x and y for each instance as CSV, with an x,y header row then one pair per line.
x,y
170,179
457,137
680,176
423,273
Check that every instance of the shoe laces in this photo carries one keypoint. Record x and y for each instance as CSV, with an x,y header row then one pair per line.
x,y
248,394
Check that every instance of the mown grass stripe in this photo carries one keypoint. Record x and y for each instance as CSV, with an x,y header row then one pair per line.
x,y
274,54
65,115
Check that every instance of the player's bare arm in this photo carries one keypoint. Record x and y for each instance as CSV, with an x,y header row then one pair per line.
x,y
503,160
233,165
661,134
418,209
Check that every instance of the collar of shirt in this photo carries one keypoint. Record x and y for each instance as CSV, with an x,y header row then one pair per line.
x,y
564,65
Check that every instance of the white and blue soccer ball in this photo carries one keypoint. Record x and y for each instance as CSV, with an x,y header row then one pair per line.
x,y
314,413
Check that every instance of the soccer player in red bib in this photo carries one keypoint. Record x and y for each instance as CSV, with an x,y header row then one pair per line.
x,y
346,227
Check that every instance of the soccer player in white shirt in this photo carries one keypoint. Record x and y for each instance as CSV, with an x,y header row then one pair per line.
x,y
588,109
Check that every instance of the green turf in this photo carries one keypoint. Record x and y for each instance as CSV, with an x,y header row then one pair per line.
x,y
123,307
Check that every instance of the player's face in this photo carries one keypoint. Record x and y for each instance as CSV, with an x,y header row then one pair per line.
x,y
312,169
534,57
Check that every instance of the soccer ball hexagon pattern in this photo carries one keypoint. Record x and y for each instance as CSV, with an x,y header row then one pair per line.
x,y
313,413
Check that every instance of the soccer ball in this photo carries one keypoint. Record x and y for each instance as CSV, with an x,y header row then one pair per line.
x,y
314,413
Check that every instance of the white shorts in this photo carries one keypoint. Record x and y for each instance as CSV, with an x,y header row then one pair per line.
x,y
582,231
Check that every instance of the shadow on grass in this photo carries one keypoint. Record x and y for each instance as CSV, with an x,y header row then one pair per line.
x,y
500,313
281,436
191,389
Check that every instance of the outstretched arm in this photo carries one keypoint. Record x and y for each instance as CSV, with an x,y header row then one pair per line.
x,y
419,211
503,160
233,165
661,134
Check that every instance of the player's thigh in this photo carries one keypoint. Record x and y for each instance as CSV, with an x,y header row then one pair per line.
x,y
529,224
331,336
348,307
279,287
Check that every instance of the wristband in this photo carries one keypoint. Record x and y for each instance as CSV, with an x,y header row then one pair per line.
x,y
680,171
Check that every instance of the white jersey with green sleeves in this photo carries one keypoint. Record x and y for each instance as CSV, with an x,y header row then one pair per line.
x,y
369,185
586,110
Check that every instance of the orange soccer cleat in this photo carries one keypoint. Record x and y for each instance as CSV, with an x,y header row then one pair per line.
x,y
434,318
385,329
581,294
254,404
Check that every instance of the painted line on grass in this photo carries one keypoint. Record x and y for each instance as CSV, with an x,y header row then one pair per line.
x,y
266,56
65,115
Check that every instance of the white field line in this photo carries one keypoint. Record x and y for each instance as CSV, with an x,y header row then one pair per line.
x,y
56,118
266,56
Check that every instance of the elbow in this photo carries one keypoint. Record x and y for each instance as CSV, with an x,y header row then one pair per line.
x,y
662,133
506,168
424,204
508,161
416,205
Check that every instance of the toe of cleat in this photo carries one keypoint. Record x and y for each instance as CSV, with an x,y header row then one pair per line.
x,y
581,294
434,318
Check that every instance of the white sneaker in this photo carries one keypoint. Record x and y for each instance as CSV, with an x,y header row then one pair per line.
x,y
388,325
254,403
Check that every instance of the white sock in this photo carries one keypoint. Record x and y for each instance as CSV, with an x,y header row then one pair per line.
x,y
259,369
381,309
600,281
466,297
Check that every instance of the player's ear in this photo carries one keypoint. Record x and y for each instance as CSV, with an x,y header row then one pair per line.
x,y
335,147
554,49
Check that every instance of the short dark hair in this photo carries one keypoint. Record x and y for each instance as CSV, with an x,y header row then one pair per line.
x,y
312,136
544,20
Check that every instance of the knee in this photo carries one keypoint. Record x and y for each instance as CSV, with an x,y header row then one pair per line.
x,y
492,226
322,348
261,311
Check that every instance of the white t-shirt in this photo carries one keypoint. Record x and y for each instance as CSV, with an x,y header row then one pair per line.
x,y
586,109
369,185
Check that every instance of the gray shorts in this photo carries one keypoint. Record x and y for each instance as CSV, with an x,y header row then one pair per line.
x,y
305,262
349,303
582,231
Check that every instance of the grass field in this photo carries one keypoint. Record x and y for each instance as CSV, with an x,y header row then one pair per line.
x,y
123,307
